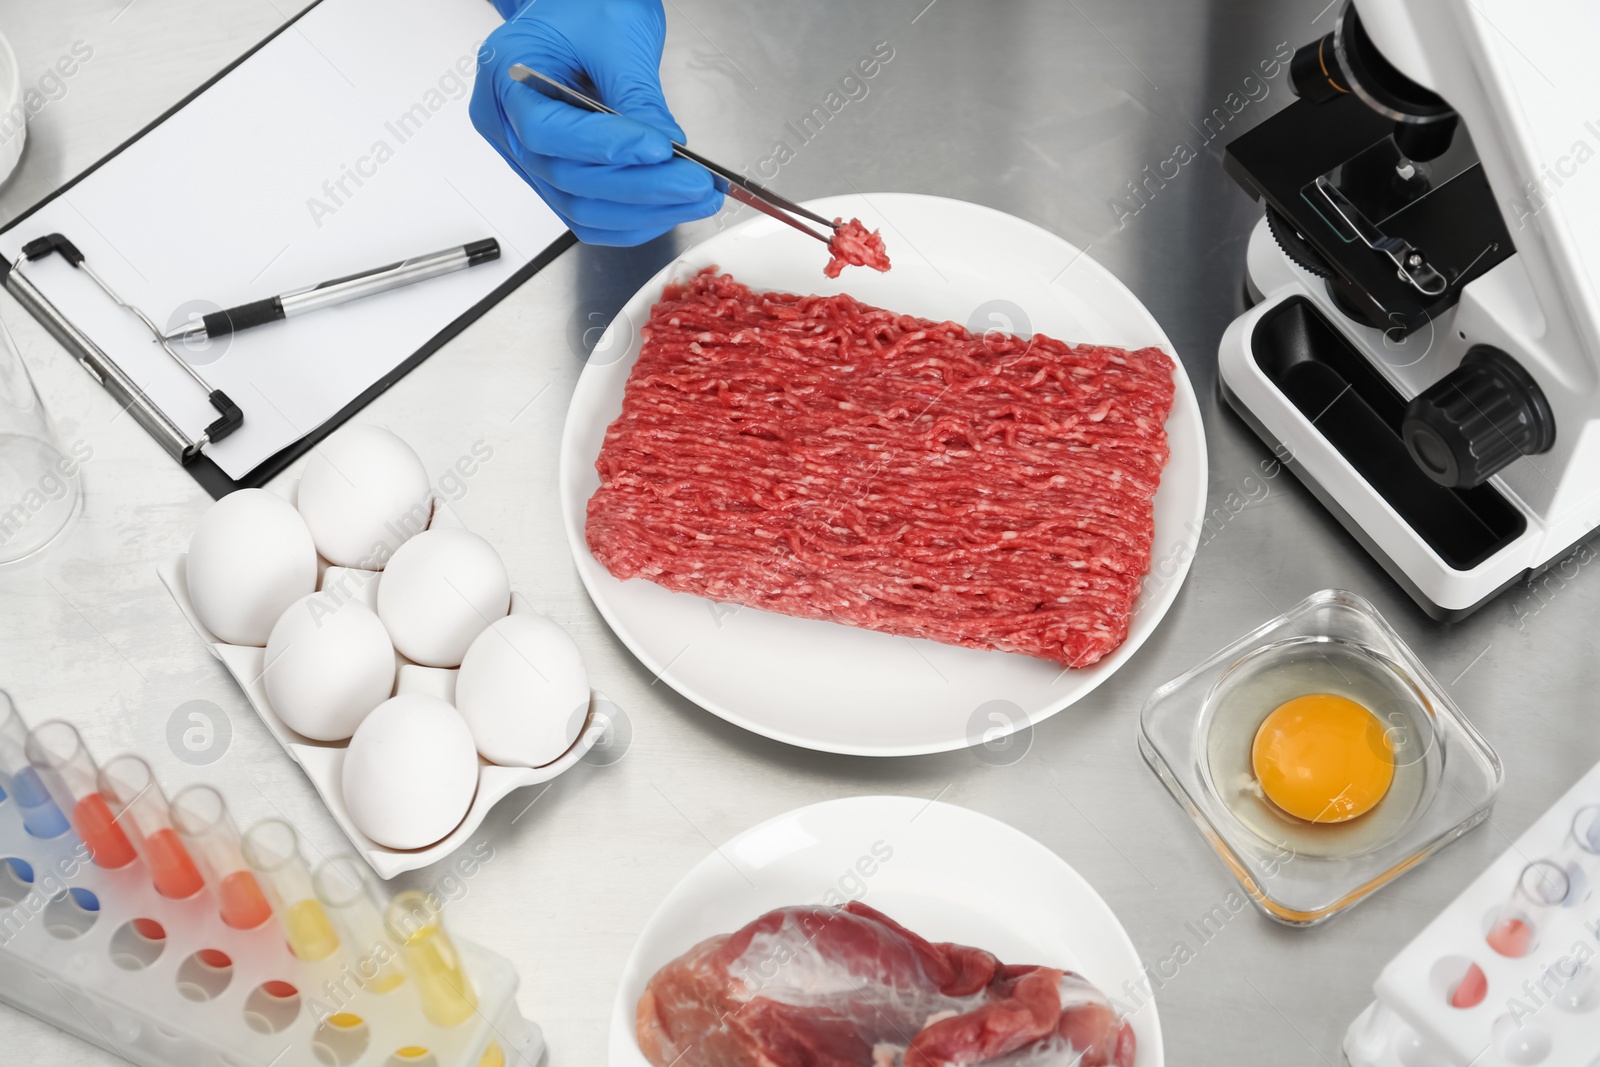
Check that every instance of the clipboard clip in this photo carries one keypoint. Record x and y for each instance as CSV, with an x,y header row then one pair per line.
x,y
106,371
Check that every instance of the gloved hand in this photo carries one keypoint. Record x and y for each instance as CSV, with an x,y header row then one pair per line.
x,y
612,178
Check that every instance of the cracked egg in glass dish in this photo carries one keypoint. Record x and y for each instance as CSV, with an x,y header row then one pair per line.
x,y
1318,757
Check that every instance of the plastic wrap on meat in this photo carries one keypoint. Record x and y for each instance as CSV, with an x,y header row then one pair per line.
x,y
850,987
823,458
853,245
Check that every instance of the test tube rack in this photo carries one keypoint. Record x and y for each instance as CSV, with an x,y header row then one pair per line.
x,y
77,949
1539,1010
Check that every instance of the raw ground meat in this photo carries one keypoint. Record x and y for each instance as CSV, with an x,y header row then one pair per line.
x,y
854,246
822,458
850,987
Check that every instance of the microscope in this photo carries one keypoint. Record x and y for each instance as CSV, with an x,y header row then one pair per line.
x,y
1423,340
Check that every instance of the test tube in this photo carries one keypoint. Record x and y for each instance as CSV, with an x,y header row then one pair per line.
x,y
141,810
57,752
416,925
40,816
1586,837
354,904
201,818
272,849
1542,887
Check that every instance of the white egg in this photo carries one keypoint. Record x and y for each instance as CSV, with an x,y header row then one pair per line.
x,y
250,558
364,493
441,589
523,691
329,662
410,772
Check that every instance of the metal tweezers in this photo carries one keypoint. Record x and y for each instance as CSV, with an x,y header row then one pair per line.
x,y
729,181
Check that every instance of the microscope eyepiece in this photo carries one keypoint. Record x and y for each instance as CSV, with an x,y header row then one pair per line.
x,y
1314,72
1347,61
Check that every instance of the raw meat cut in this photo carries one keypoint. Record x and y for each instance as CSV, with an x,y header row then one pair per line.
x,y
850,987
823,458
853,245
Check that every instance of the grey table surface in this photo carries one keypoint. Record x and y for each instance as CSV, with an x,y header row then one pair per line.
x,y
1042,109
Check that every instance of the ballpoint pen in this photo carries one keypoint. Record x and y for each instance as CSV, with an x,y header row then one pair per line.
x,y
337,291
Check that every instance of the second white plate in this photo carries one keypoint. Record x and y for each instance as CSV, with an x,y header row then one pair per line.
x,y
839,688
945,872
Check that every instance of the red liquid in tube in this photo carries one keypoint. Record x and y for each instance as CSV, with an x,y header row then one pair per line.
x,y
1511,937
108,846
171,867
241,901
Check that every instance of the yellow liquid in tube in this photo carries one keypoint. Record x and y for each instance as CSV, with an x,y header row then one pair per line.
x,y
387,979
447,996
310,934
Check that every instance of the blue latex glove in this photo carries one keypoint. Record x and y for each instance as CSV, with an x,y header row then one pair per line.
x,y
612,178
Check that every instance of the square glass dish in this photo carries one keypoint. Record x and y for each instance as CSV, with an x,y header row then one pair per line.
x,y
1202,733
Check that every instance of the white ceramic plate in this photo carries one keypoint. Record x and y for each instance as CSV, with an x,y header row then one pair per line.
x,y
952,875
839,688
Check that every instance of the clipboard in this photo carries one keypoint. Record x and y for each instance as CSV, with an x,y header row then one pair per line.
x,y
299,117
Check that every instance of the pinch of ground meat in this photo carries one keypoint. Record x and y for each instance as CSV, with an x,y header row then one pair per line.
x,y
853,245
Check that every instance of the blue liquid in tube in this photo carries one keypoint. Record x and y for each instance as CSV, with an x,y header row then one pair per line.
x,y
40,816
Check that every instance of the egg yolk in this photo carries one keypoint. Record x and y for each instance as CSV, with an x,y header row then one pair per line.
x,y
1323,758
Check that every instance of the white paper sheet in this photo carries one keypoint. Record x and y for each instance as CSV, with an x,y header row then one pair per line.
x,y
341,145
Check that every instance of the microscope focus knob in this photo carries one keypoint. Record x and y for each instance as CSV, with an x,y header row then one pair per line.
x,y
1473,422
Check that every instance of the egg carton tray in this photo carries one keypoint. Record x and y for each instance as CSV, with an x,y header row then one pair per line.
x,y
76,951
323,761
1540,1010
